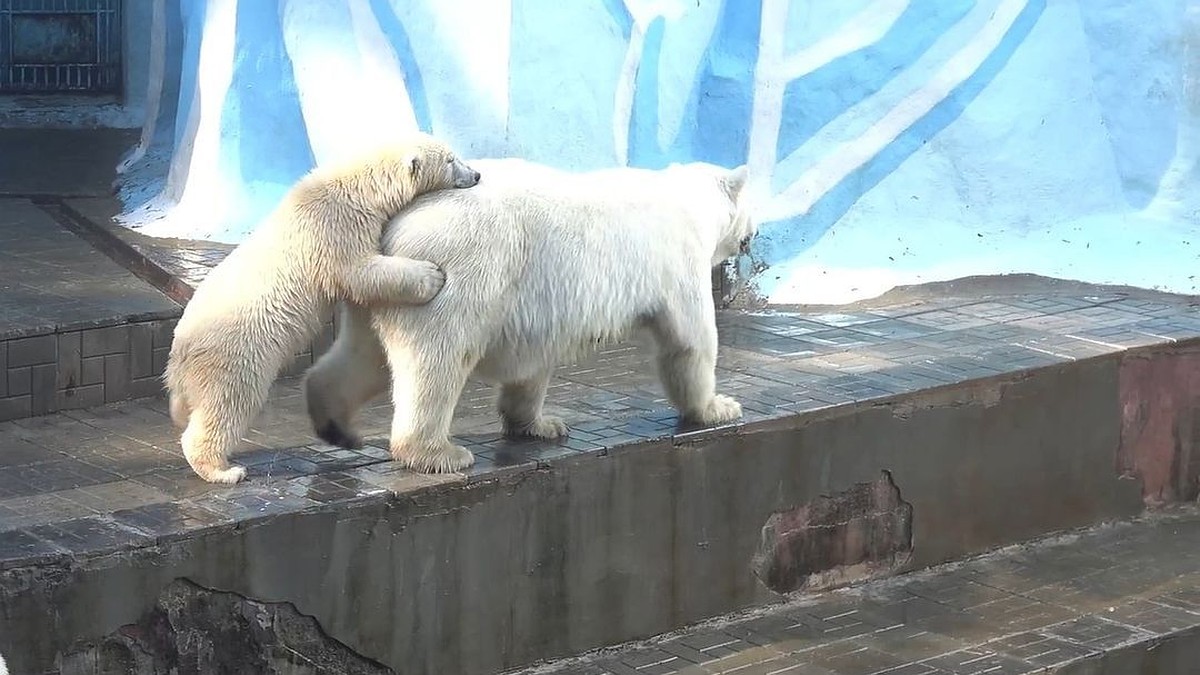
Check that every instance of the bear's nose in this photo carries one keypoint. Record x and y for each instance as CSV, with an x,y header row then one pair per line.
x,y
476,175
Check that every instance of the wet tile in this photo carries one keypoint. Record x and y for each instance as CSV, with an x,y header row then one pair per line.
x,y
979,661
1095,633
18,547
1152,617
334,487
1187,599
1043,651
50,476
90,535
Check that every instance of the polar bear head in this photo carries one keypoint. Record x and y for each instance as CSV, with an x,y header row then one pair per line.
x,y
431,165
742,226
385,179
734,225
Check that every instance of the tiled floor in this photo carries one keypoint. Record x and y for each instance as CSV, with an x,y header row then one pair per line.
x,y
61,162
51,279
85,480
1017,611
185,260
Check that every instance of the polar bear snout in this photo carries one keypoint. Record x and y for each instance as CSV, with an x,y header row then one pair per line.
x,y
462,175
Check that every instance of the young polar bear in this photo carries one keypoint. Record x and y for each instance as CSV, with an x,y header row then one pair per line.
x,y
541,266
258,307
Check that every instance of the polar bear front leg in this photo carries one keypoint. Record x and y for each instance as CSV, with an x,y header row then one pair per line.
x,y
352,372
520,405
393,280
687,361
427,382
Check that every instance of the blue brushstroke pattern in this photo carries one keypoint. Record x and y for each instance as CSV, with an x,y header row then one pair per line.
x,y
261,100
644,150
785,239
193,14
812,101
393,28
620,14
147,177
724,95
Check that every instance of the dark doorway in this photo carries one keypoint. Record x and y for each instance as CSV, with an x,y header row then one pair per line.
x,y
60,46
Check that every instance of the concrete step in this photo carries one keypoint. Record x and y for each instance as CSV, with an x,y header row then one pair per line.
x,y
87,311
1120,599
76,328
877,440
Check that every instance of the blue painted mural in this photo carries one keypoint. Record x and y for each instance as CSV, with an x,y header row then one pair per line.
x,y
889,141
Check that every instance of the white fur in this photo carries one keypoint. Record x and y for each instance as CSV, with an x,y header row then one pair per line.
x,y
266,300
541,267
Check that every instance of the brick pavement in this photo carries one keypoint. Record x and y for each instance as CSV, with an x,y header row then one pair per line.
x,y
50,279
1044,605
78,329
116,470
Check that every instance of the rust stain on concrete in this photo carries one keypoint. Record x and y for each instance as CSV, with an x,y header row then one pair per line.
x,y
861,533
1160,396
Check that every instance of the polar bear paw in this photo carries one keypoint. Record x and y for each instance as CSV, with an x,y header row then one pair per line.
x,y
719,410
340,434
545,427
227,476
426,281
442,458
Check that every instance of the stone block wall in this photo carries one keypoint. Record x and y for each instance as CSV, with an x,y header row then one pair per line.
x,y
86,367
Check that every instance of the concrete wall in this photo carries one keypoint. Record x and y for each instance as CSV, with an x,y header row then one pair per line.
x,y
890,141
539,562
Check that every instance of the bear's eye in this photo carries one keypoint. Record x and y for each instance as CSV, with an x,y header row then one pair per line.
x,y
449,160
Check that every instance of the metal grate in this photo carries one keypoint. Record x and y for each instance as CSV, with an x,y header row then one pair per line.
x,y
49,46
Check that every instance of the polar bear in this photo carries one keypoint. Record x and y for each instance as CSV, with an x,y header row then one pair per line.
x,y
260,305
541,267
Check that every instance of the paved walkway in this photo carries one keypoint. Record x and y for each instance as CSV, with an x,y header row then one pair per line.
x,y
1022,610
116,475
61,162
51,279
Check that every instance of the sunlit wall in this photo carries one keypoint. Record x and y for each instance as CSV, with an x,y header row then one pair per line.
x,y
889,141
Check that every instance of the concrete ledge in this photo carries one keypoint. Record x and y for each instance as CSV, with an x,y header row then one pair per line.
x,y
877,440
104,356
1111,600
70,367
473,574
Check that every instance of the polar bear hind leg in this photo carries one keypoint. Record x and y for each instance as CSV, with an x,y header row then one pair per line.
x,y
520,405
686,334
217,396
352,372
207,440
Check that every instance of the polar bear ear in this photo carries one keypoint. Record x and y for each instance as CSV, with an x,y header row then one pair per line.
x,y
734,181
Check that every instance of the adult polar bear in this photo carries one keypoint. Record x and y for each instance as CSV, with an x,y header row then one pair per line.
x,y
541,266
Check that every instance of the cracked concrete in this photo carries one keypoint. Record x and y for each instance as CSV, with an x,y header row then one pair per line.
x,y
856,534
192,630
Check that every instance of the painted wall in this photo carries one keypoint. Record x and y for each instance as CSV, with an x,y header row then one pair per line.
x,y
889,141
